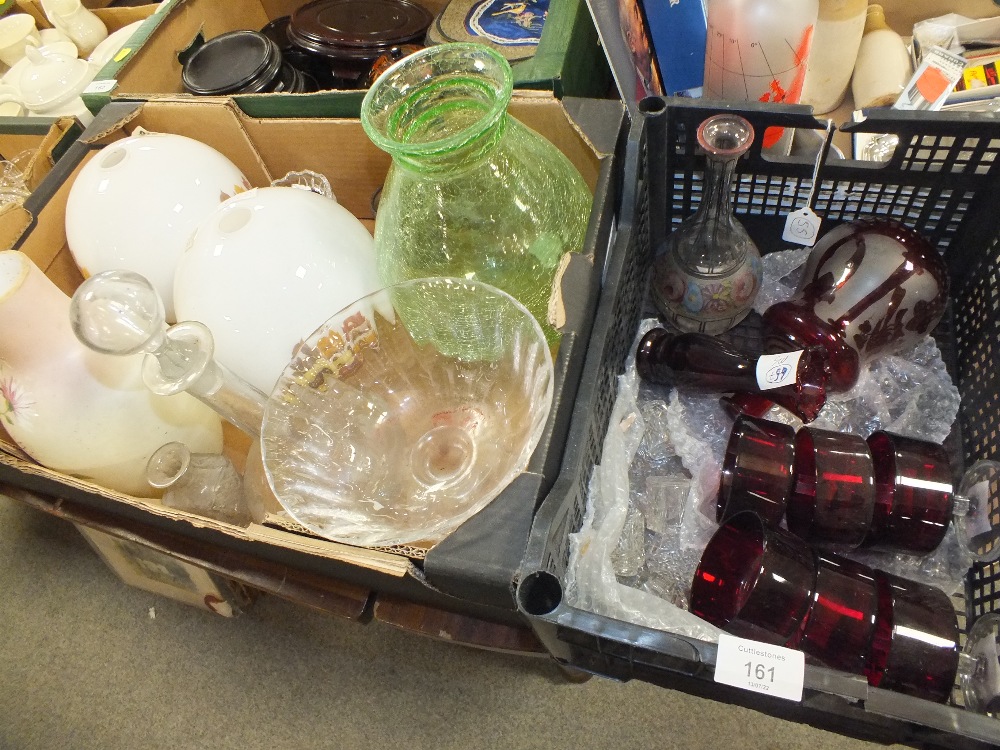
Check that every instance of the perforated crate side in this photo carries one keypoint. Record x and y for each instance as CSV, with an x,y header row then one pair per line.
x,y
562,512
942,181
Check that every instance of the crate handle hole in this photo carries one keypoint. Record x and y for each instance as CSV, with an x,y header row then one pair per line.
x,y
539,593
653,105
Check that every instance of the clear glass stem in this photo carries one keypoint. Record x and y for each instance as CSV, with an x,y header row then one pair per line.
x,y
185,362
234,399
968,665
708,257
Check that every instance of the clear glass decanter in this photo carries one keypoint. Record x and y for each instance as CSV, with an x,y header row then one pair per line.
x,y
708,273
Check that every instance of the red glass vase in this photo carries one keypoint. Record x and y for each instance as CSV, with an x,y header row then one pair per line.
x,y
870,287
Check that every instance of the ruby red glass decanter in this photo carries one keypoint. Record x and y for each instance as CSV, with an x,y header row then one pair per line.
x,y
697,361
708,273
870,287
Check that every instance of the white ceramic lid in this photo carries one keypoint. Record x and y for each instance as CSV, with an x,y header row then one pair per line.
x,y
51,76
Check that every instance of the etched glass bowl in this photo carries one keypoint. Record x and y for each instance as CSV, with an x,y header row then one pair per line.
x,y
407,412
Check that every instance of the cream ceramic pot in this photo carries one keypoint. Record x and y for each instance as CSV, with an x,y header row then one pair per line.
x,y
17,31
266,269
882,68
835,44
52,81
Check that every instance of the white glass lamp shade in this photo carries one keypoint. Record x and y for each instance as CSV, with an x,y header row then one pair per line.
x,y
137,203
266,269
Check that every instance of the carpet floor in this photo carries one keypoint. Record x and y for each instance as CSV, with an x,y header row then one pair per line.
x,y
84,665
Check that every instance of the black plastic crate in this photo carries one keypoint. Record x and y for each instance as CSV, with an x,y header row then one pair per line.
x,y
943,181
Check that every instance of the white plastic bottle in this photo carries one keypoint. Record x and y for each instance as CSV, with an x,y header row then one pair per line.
x,y
883,67
839,28
757,50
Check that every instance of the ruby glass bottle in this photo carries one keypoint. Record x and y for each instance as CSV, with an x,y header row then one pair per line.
x,y
697,361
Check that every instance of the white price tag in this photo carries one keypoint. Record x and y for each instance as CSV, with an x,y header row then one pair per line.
x,y
101,87
802,224
762,668
801,227
776,370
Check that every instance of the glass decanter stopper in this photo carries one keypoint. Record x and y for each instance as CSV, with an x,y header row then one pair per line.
x,y
206,484
697,361
120,313
979,666
706,277
976,503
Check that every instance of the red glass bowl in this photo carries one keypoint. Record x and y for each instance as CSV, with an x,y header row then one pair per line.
x,y
840,623
754,581
915,645
757,469
914,494
833,499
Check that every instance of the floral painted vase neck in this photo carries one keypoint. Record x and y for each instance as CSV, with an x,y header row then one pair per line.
x,y
870,287
706,277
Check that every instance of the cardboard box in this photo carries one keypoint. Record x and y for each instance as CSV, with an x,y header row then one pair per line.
x,y
154,571
268,148
569,60
41,141
113,18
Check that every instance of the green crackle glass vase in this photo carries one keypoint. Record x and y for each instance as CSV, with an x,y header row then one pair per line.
x,y
471,192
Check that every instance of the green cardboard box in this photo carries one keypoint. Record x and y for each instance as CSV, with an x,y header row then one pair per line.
x,y
569,60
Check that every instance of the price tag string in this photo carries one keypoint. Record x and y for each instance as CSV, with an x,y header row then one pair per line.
x,y
802,225
820,161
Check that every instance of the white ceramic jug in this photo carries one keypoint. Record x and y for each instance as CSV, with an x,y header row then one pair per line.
x,y
83,28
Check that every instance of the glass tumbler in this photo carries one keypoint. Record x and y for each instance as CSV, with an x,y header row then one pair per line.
x,y
833,499
915,646
757,470
754,581
840,623
914,494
